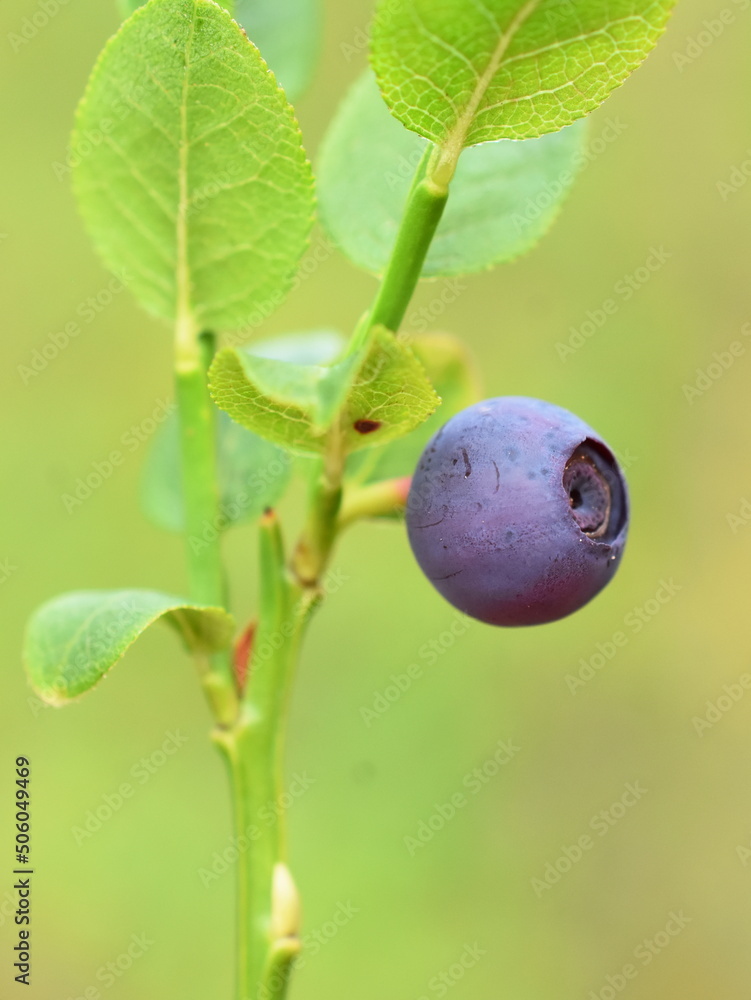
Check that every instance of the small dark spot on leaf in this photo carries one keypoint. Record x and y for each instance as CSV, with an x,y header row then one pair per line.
x,y
366,426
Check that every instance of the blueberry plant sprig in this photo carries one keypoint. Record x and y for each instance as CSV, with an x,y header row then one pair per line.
x,y
201,193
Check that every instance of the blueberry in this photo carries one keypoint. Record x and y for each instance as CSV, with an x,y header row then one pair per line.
x,y
517,512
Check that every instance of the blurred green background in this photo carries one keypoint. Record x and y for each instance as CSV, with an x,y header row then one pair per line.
x,y
407,916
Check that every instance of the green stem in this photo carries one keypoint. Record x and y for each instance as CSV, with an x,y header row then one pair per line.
x,y
202,526
384,499
254,747
425,206
319,534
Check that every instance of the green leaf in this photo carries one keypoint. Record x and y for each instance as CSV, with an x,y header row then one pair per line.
x,y
190,172
380,393
252,475
311,347
504,197
455,377
288,33
128,7
73,641
459,73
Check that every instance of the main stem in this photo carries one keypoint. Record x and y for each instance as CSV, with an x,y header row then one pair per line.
x,y
268,908
202,518
251,726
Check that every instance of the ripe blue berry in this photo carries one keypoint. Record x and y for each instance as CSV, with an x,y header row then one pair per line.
x,y
518,512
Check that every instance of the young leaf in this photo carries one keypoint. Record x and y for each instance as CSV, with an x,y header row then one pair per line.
x,y
288,33
380,393
312,347
73,641
128,7
190,171
252,475
504,197
460,73
454,375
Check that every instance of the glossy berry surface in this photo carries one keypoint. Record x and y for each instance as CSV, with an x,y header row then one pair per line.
x,y
518,512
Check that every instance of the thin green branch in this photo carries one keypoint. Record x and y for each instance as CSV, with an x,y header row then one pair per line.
x,y
425,205
254,749
202,524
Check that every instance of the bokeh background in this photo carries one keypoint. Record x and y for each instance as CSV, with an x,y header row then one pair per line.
x,y
406,914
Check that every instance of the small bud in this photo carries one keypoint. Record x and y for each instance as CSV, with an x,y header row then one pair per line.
x,y
285,905
241,657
